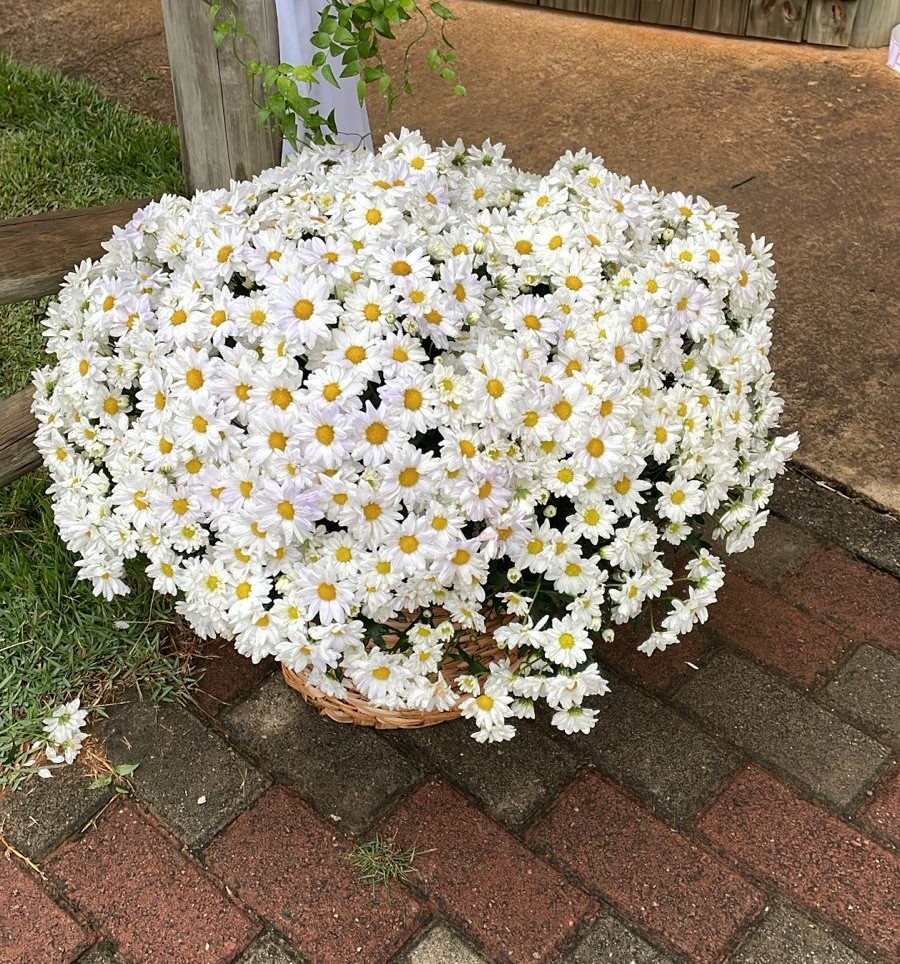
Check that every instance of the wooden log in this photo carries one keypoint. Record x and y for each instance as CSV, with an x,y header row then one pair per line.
x,y
616,9
873,23
673,13
777,19
18,456
217,115
721,16
830,22
36,252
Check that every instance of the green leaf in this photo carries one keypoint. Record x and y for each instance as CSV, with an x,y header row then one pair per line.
x,y
382,27
445,13
343,37
361,91
459,90
448,73
384,84
435,58
319,58
321,40
99,783
328,74
126,769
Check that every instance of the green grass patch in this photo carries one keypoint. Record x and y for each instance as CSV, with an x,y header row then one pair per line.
x,y
64,145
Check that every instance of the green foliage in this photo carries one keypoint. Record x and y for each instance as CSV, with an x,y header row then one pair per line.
x,y
381,860
350,33
62,144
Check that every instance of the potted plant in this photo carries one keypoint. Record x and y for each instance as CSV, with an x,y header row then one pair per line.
x,y
419,424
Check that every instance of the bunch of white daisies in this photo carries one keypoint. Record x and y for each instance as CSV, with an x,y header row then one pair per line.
x,y
365,385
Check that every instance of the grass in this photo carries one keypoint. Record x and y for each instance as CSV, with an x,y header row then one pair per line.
x,y
64,145
381,860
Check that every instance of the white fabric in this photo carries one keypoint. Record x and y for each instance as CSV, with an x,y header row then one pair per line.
x,y
297,21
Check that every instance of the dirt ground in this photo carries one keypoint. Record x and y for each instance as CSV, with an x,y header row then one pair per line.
x,y
801,140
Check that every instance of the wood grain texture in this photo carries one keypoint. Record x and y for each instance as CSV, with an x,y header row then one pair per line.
x,y
830,22
217,126
873,23
721,16
673,13
18,456
777,19
37,252
617,9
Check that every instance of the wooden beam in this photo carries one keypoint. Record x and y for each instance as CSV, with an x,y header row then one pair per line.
x,y
873,23
37,252
830,22
777,19
217,125
18,456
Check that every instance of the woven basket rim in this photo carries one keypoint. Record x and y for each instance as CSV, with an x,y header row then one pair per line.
x,y
355,707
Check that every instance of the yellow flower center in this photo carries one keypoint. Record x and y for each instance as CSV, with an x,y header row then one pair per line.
x,y
327,592
286,510
485,702
376,433
408,544
194,378
303,309
382,673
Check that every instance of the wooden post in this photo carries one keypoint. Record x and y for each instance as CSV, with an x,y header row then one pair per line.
x,y
830,22
874,20
220,136
777,19
18,456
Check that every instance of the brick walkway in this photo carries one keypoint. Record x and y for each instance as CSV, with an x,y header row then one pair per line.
x,y
739,802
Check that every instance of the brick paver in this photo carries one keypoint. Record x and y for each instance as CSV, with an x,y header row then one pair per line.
x,y
440,945
669,885
779,549
774,631
787,937
835,584
304,748
227,676
882,812
868,688
608,941
655,751
516,905
765,716
270,948
292,868
812,856
157,904
661,672
43,813
33,929
509,779
187,773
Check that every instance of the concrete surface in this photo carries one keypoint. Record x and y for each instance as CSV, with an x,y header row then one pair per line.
x,y
802,141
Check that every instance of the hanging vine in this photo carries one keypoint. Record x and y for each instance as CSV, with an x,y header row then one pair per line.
x,y
350,34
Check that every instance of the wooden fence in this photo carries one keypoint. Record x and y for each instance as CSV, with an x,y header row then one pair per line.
x,y
840,23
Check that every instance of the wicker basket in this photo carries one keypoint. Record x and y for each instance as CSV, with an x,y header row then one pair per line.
x,y
355,708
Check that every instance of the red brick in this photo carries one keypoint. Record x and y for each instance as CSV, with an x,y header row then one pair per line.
x,y
836,585
659,878
774,631
227,676
33,929
882,812
660,672
158,905
519,907
811,855
292,868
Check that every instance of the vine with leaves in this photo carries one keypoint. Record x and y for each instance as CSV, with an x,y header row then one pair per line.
x,y
351,34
